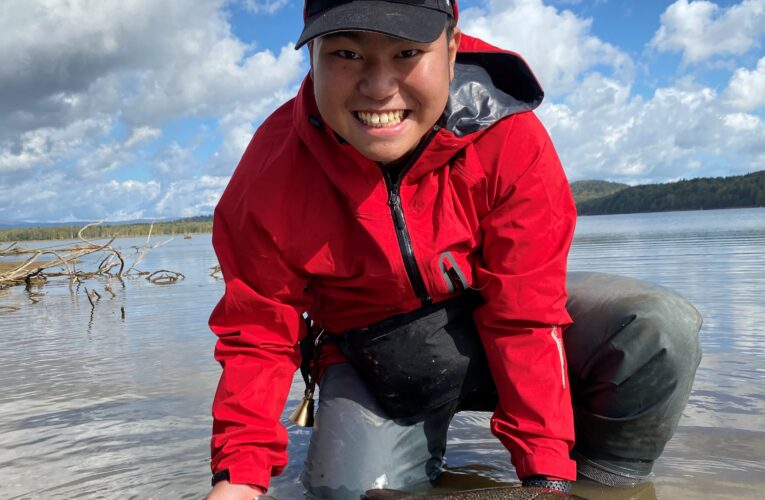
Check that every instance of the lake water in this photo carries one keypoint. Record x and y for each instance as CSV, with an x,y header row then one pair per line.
x,y
94,405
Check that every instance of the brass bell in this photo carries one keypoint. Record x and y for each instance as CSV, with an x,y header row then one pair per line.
x,y
303,414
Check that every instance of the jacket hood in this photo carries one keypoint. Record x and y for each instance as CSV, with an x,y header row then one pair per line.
x,y
489,84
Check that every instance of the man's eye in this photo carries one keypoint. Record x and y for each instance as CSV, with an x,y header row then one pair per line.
x,y
347,54
405,54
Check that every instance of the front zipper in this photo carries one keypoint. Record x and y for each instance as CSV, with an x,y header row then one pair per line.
x,y
399,223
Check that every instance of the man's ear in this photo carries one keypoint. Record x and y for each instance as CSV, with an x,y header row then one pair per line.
x,y
454,45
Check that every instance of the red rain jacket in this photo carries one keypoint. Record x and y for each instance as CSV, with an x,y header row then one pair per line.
x,y
308,224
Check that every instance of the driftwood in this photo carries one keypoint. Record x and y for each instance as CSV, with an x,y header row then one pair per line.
x,y
33,270
42,264
215,272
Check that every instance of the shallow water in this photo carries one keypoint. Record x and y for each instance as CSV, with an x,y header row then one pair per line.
x,y
96,406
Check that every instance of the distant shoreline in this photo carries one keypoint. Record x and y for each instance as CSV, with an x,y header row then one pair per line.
x,y
671,211
202,230
181,227
591,197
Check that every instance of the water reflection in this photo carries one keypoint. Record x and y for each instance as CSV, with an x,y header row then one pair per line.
x,y
94,405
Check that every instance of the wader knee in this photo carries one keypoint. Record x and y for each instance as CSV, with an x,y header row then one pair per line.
x,y
632,352
356,447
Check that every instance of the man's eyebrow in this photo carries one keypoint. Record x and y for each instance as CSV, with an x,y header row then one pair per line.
x,y
353,35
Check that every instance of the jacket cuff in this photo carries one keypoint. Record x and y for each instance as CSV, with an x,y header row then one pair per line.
x,y
532,465
238,474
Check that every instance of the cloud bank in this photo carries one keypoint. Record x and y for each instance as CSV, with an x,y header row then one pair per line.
x,y
602,128
90,87
141,109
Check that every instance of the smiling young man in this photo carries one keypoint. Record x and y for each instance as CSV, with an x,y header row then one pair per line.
x,y
379,93
411,203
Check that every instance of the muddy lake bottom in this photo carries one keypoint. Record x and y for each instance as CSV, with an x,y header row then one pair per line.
x,y
94,405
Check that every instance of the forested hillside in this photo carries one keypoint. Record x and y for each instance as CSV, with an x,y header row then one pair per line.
x,y
695,194
588,190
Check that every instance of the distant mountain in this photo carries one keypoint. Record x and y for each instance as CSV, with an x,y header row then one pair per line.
x,y
695,194
588,190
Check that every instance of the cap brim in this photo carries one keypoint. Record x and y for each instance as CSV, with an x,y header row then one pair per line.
x,y
409,22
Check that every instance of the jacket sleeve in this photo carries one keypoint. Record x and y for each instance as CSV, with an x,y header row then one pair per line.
x,y
258,323
522,276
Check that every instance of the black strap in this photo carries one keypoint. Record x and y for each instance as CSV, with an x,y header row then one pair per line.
x,y
306,350
219,476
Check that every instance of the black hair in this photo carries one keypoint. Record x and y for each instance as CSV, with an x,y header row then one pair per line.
x,y
450,25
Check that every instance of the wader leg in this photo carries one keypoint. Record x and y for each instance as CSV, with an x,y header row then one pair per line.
x,y
356,447
632,354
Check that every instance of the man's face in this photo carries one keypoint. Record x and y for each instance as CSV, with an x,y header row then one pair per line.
x,y
379,93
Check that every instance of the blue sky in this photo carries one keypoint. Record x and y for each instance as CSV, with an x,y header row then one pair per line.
x,y
141,109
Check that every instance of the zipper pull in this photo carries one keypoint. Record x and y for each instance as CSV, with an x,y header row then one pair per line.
x,y
395,202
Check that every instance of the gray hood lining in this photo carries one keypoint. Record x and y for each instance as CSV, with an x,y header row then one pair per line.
x,y
488,87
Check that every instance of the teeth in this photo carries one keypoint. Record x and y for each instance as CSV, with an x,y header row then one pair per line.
x,y
380,120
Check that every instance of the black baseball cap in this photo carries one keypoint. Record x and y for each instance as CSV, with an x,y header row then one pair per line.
x,y
416,20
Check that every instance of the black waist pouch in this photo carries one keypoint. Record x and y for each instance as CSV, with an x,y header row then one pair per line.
x,y
423,359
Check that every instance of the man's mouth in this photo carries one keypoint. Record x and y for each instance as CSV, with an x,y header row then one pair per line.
x,y
381,119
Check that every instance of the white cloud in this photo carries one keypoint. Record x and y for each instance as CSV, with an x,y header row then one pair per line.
x,y
603,131
141,135
237,129
701,29
162,58
265,6
601,127
119,200
746,90
56,196
742,122
88,86
557,44
191,197
45,146
213,83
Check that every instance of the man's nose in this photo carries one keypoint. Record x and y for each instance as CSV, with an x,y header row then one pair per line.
x,y
379,81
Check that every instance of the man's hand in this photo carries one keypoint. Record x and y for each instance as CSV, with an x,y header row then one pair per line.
x,y
223,490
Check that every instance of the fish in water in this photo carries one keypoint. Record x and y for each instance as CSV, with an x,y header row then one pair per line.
x,y
500,493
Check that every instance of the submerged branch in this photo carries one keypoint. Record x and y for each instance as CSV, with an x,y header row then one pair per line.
x,y
165,277
34,271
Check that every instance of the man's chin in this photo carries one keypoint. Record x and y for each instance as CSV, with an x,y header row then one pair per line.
x,y
384,154
380,157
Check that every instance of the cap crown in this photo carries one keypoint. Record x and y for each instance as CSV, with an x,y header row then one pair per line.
x,y
313,7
